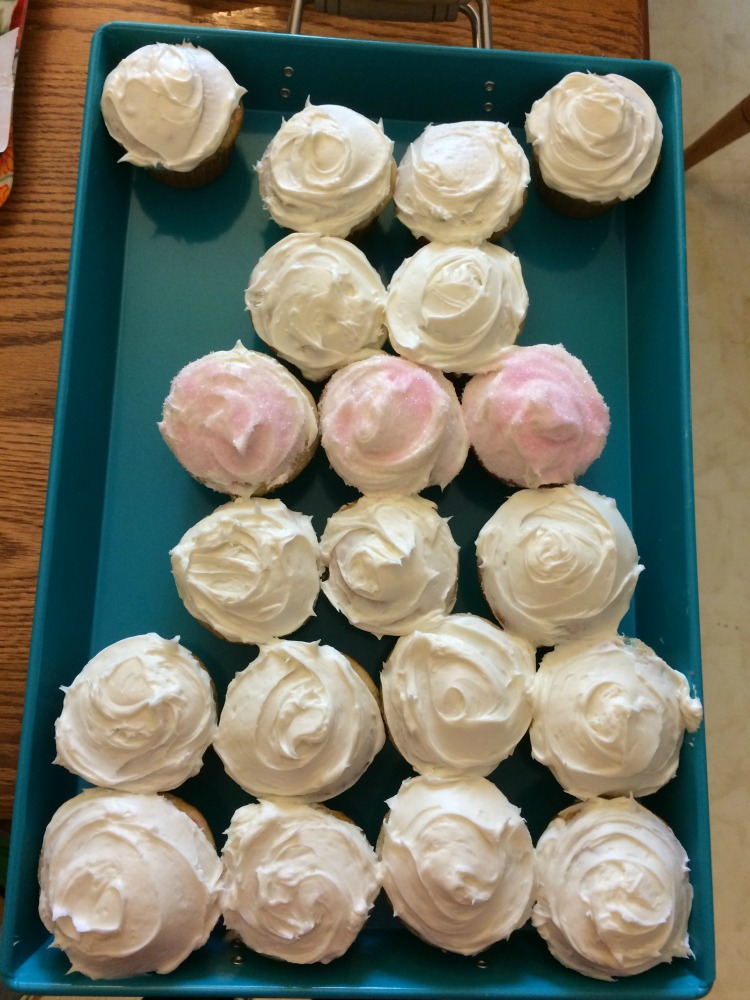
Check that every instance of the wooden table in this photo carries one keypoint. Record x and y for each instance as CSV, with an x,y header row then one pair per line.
x,y
35,227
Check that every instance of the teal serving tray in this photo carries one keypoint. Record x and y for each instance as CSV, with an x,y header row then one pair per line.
x,y
157,277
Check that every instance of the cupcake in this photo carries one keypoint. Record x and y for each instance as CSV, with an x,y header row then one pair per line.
x,y
176,110
457,862
300,880
250,570
390,426
558,564
390,564
613,895
456,307
462,182
317,302
596,141
328,170
538,419
302,720
239,422
129,883
138,717
457,694
610,716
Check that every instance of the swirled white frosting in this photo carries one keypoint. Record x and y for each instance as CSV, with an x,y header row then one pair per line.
x,y
169,105
392,563
139,716
457,862
537,419
596,138
457,694
328,170
299,721
558,564
390,426
613,893
249,570
129,883
461,182
456,307
300,880
239,422
610,716
318,302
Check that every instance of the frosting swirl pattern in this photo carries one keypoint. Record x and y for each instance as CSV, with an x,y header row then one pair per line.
x,y
456,307
457,862
457,694
596,138
300,881
614,896
299,721
558,564
129,883
610,716
318,302
390,426
392,563
249,570
139,716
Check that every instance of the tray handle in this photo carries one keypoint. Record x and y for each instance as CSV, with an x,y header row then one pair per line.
x,y
476,11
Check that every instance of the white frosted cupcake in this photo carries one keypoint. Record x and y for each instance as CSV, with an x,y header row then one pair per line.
x,y
139,716
300,880
610,716
391,563
302,721
457,862
129,884
391,426
613,894
457,694
558,564
328,170
250,570
317,302
240,422
596,141
462,182
456,307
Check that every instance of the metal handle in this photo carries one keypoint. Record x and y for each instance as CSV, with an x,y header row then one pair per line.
x,y
476,11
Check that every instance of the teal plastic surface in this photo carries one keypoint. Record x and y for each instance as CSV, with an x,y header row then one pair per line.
x,y
157,277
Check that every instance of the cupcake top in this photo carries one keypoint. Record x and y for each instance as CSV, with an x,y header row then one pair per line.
x,y
249,570
595,138
169,105
239,422
391,562
538,419
613,896
456,307
457,862
299,721
317,302
300,880
328,170
558,564
461,182
129,884
391,426
139,716
457,694
610,716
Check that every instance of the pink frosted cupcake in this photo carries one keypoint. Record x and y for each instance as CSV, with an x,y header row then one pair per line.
x,y
539,419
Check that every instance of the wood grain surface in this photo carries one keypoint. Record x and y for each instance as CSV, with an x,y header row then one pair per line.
x,y
35,228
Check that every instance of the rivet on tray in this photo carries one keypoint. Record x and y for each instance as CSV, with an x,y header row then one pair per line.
x,y
481,963
238,959
489,85
289,71
285,92
488,106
